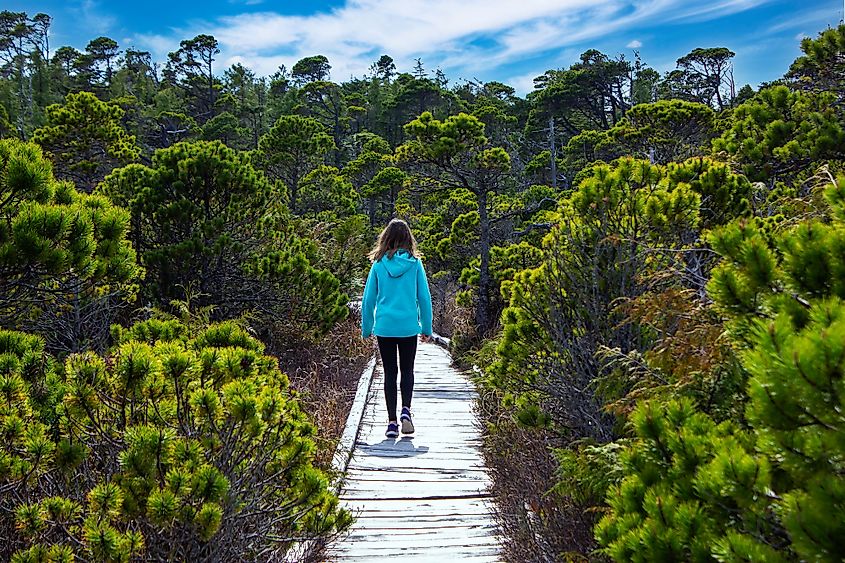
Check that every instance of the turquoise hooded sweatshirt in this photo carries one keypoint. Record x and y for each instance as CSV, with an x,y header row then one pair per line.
x,y
397,301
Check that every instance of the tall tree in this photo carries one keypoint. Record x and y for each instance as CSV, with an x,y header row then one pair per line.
x,y
292,148
591,94
103,53
249,101
325,102
383,69
706,76
15,33
85,139
191,68
311,69
455,154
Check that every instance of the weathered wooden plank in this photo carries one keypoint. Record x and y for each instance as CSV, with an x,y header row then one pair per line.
x,y
417,477
437,557
343,452
413,494
416,462
399,523
425,545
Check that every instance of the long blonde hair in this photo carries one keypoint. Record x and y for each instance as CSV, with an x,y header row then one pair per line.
x,y
396,236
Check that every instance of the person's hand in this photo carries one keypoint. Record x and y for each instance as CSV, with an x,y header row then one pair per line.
x,y
425,338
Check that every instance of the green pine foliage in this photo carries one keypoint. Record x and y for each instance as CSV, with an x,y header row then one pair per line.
x,y
560,312
171,446
821,68
64,256
85,139
292,148
693,490
202,217
780,132
795,406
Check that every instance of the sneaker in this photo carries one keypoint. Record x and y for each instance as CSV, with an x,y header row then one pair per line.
x,y
407,423
392,430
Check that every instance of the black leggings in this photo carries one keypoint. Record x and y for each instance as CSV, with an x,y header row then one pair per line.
x,y
407,347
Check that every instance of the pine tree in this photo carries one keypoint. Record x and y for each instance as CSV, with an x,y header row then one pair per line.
x,y
175,445
203,219
780,132
596,256
455,154
66,266
85,140
292,148
822,66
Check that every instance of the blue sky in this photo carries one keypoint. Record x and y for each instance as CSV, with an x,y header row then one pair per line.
x,y
507,40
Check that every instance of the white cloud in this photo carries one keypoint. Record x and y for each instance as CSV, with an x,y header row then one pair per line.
x,y
817,18
523,83
635,44
456,36
158,45
92,17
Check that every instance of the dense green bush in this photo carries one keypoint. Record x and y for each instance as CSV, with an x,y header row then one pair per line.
x,y
762,488
563,310
170,447
66,266
202,218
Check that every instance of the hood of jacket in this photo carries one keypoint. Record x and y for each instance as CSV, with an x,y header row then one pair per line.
x,y
401,262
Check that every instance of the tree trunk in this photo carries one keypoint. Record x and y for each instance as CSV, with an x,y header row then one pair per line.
x,y
482,310
553,152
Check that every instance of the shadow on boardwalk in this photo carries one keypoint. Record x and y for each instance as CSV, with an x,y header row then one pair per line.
x,y
425,496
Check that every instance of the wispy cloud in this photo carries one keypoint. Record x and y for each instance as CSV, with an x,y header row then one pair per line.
x,y
807,18
456,36
635,44
91,16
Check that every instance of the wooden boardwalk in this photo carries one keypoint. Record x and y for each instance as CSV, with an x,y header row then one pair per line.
x,y
424,497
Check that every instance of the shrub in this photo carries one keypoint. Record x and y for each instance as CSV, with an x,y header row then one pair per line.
x,y
66,266
170,447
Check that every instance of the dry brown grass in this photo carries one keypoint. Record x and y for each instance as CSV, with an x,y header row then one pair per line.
x,y
444,308
325,376
536,523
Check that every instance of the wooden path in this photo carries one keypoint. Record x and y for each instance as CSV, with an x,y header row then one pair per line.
x,y
423,497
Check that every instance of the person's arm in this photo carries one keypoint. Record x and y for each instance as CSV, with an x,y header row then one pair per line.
x,y
368,303
424,300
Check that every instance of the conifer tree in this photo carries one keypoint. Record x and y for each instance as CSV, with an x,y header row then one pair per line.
x,y
204,218
455,154
85,140
822,66
174,446
780,132
292,148
66,266
597,255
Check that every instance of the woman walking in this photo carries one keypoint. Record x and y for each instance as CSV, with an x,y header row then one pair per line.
x,y
396,308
